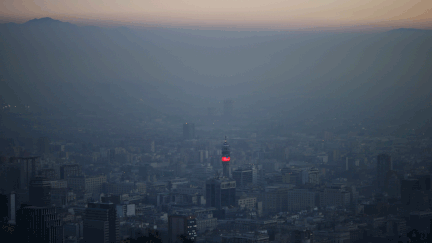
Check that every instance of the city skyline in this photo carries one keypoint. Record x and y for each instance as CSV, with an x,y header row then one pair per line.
x,y
292,121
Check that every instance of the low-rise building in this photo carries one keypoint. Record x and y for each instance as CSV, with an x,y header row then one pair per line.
x,y
301,199
91,184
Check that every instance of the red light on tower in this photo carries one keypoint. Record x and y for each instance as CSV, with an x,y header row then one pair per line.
x,y
225,159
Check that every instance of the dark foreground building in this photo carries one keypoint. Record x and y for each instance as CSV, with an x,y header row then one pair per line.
x,y
40,192
39,224
181,226
101,224
220,192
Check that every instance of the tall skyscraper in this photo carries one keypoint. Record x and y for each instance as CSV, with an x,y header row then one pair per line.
x,y
188,131
181,225
101,224
39,224
40,192
220,192
384,165
226,157
17,173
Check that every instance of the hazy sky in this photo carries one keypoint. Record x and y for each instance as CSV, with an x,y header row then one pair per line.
x,y
275,14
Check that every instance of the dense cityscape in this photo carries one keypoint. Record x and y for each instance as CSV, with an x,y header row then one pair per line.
x,y
202,121
225,184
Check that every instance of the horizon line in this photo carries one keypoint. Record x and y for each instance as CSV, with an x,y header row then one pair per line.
x,y
119,24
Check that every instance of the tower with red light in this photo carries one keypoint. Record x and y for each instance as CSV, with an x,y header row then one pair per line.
x,y
226,159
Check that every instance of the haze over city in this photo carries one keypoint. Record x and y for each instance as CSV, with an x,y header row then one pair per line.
x,y
215,121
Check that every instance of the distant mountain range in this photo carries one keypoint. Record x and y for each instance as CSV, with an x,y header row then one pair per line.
x,y
55,66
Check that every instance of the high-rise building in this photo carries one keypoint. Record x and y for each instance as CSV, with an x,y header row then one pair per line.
x,y
415,194
40,192
8,208
60,194
384,165
243,177
254,174
421,221
101,224
396,227
39,224
188,131
220,192
226,157
70,170
228,108
4,208
18,172
73,231
181,226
